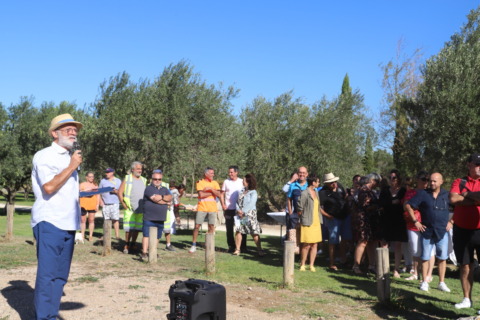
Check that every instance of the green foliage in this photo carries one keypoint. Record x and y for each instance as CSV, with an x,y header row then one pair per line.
x,y
383,161
401,79
285,134
275,131
177,122
445,113
181,124
368,160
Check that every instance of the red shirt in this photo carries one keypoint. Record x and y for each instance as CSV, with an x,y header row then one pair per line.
x,y
466,217
410,225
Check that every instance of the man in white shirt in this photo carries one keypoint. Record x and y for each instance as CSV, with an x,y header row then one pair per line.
x,y
231,188
55,213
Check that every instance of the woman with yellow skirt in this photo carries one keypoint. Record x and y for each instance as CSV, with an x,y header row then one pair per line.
x,y
310,230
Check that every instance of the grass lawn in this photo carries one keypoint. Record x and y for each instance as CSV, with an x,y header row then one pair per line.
x,y
322,294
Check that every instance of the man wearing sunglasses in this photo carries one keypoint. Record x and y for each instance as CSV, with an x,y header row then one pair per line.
x,y
465,196
155,206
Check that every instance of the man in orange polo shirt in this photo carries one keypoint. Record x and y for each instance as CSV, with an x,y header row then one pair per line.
x,y
208,192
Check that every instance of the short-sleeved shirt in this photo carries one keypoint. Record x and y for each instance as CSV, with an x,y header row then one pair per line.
x,y
466,217
60,208
333,202
107,197
295,191
232,190
209,203
88,203
434,212
409,194
136,195
175,196
153,211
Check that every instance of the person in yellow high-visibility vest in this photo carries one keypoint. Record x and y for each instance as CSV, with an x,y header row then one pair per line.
x,y
131,197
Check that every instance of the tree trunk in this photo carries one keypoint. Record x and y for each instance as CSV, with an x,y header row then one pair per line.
x,y
10,209
193,185
272,200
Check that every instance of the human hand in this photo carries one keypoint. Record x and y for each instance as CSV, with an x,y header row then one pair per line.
x,y
420,226
76,159
449,225
294,178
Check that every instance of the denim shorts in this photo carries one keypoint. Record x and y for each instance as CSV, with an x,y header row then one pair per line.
x,y
440,245
146,228
338,228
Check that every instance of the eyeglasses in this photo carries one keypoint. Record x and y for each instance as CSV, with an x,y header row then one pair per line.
x,y
157,179
69,130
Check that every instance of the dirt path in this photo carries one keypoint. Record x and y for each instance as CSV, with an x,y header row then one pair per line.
x,y
118,297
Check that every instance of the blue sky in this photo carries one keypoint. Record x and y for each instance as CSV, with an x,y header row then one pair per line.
x,y
63,50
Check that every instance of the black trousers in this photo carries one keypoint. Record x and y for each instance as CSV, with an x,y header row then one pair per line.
x,y
230,226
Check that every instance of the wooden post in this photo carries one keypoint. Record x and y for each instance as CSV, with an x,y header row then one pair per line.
x,y
107,237
383,274
288,263
152,244
209,253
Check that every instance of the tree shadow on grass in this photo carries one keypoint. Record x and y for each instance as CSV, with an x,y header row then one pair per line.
x,y
403,303
19,296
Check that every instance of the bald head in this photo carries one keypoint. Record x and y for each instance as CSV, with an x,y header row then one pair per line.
x,y
302,174
436,181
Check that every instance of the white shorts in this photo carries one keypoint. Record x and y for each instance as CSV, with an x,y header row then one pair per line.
x,y
111,211
415,243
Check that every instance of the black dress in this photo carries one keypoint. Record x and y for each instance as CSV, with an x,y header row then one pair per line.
x,y
393,223
366,218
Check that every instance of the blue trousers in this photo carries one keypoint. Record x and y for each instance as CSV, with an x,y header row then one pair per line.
x,y
54,255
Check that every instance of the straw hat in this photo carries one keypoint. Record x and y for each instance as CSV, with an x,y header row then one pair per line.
x,y
329,177
62,120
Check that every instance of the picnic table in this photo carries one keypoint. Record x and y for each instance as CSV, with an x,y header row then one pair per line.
x,y
280,218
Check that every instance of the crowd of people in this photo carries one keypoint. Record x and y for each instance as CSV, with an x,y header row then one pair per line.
x,y
412,217
422,223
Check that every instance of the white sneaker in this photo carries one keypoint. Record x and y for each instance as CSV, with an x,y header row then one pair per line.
x,y
443,287
466,303
192,249
424,286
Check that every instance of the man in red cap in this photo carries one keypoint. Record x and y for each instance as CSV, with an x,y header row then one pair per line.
x,y
55,213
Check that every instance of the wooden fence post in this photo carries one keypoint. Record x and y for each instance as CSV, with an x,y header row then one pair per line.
x,y
107,237
210,253
383,274
288,263
152,244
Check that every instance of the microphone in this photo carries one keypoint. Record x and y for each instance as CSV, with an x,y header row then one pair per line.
x,y
75,147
